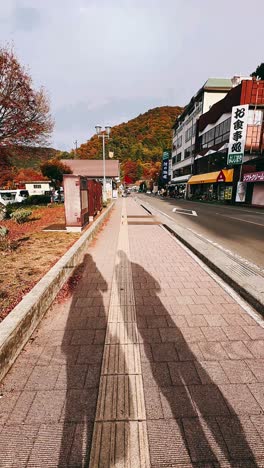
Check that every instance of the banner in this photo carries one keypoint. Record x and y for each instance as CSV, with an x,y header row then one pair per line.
x,y
165,166
254,177
241,192
238,132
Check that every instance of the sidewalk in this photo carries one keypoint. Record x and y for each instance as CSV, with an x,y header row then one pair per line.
x,y
177,380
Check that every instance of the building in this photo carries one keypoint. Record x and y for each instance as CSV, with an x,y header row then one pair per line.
x,y
41,187
217,170
93,169
184,129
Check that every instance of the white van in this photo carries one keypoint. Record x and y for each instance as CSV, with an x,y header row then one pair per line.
x,y
12,196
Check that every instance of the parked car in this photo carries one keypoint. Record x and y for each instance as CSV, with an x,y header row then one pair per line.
x,y
13,196
59,198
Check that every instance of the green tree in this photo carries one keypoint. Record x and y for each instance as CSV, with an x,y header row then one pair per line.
x,y
259,72
54,170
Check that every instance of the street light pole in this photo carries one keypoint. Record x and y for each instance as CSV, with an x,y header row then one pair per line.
x,y
103,134
104,180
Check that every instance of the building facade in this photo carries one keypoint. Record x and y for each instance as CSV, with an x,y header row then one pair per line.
x,y
185,129
217,129
38,187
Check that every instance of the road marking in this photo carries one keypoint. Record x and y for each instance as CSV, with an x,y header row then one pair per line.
x,y
240,219
184,211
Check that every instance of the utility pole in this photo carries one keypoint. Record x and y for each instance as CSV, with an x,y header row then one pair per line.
x,y
75,150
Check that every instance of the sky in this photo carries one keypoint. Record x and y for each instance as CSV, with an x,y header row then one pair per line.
x,y
106,61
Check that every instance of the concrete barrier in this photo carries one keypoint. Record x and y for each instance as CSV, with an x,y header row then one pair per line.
x,y
18,326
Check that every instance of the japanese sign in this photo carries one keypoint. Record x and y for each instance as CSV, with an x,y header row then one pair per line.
x,y
238,131
228,193
165,166
254,177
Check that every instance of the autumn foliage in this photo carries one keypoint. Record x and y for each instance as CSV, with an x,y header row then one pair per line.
x,y
24,112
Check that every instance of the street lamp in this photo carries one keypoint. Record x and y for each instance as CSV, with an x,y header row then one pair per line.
x,y
103,134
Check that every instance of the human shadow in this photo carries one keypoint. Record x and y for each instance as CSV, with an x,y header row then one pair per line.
x,y
82,354
177,387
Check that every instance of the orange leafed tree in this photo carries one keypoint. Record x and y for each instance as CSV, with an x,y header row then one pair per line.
x,y
24,112
28,175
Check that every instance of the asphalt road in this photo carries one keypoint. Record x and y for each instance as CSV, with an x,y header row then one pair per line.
x,y
236,229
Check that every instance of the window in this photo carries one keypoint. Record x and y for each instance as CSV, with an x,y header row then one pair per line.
x,y
178,157
216,135
188,152
178,142
188,134
37,186
174,160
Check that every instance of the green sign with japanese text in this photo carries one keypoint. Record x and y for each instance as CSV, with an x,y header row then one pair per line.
x,y
234,158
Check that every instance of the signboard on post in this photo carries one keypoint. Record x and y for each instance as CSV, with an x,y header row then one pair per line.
x,y
238,132
165,166
228,193
241,192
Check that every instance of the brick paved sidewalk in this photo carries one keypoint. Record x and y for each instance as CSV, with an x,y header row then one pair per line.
x,y
202,359
200,366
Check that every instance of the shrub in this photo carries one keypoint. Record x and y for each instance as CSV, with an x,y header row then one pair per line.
x,y
3,232
11,207
21,216
37,200
4,241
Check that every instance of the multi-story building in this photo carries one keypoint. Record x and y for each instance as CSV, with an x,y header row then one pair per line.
x,y
184,129
234,122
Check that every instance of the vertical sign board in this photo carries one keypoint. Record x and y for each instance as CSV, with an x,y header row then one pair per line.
x,y
241,192
165,166
238,133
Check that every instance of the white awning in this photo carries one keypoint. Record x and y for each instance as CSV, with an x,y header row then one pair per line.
x,y
183,178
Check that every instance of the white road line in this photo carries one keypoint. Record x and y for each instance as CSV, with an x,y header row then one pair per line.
x,y
182,211
240,219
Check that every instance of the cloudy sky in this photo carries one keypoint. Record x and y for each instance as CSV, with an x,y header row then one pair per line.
x,y
106,61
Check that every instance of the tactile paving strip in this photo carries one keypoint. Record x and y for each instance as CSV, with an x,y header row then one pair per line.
x,y
121,359
120,444
122,314
120,433
121,398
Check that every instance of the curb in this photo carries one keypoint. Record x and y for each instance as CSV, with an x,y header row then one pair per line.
x,y
246,281
18,326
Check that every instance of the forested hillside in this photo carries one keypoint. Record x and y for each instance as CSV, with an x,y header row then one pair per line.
x,y
144,137
138,144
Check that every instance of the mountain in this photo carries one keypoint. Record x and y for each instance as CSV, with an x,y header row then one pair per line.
x,y
143,138
27,157
15,160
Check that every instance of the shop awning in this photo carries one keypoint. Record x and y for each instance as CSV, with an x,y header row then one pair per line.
x,y
211,177
183,178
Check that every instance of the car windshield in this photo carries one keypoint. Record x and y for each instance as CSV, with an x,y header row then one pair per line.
x,y
6,195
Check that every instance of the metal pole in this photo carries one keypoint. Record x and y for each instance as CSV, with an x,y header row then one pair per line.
x,y
104,181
